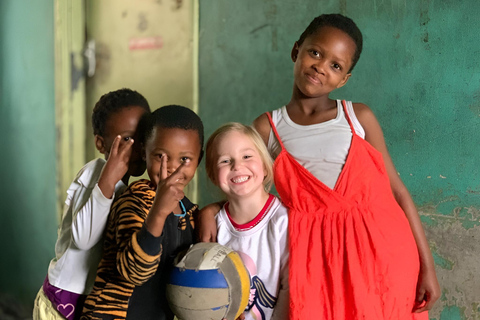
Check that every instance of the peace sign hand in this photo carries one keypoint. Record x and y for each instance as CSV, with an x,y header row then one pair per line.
x,y
169,193
116,166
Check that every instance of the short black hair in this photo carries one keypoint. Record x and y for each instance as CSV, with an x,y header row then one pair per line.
x,y
340,22
173,116
113,102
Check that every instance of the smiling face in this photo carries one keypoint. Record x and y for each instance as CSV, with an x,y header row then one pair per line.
x,y
322,62
179,146
124,123
238,167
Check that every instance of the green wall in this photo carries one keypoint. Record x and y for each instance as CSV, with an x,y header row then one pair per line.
x,y
27,162
419,72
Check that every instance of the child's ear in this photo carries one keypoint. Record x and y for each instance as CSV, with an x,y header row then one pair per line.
x,y
100,144
294,53
344,80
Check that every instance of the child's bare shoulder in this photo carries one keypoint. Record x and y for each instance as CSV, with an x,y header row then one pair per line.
x,y
262,125
361,109
373,130
364,114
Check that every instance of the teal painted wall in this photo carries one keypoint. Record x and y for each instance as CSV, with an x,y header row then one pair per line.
x,y
27,162
419,72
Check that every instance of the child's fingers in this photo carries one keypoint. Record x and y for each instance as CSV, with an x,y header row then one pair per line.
x,y
424,305
115,145
125,149
420,302
421,307
163,168
177,174
179,194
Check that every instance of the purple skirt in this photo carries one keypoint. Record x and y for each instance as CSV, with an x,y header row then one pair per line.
x,y
67,303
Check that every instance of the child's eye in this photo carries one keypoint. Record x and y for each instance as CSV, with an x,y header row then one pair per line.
x,y
315,53
337,66
185,160
224,161
247,156
127,138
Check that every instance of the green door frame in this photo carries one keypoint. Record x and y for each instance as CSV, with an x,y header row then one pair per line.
x,y
70,117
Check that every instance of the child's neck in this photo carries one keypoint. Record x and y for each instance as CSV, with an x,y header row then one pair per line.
x,y
310,111
309,105
244,209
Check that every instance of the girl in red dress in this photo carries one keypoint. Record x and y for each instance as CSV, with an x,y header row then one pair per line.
x,y
357,246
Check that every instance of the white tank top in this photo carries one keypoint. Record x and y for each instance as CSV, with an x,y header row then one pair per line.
x,y
321,148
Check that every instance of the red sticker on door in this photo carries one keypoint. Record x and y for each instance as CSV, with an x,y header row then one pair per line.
x,y
145,43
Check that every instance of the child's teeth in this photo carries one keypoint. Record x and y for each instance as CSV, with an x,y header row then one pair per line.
x,y
238,180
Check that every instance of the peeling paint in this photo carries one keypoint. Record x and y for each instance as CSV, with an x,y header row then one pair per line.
x,y
429,220
452,313
448,208
442,262
468,217
454,242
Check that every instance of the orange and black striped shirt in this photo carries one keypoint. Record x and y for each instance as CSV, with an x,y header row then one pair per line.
x,y
135,265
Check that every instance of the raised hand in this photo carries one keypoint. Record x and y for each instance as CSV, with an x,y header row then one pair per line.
x,y
116,167
169,193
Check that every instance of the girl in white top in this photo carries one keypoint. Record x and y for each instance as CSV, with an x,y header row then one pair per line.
x,y
78,248
252,222
322,147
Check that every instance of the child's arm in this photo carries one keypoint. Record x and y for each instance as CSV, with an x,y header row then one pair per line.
x,y
135,245
262,125
90,218
428,289
139,239
281,310
205,221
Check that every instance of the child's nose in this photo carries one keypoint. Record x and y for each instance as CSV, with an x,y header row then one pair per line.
x,y
319,66
172,165
235,165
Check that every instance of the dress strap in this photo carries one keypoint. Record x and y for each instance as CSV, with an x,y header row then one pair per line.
x,y
275,130
344,103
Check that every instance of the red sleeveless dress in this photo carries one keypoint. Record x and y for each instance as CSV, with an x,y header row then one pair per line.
x,y
352,252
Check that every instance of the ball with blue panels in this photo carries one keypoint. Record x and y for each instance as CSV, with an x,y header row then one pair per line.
x,y
209,281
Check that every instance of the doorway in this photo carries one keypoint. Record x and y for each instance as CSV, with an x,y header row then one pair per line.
x,y
150,46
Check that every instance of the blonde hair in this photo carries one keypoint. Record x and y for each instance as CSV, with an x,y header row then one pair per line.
x,y
251,133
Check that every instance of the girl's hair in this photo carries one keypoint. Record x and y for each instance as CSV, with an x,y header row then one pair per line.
x,y
251,133
340,22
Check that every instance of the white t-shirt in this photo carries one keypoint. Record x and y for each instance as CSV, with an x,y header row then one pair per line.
x,y
263,246
79,244
320,148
